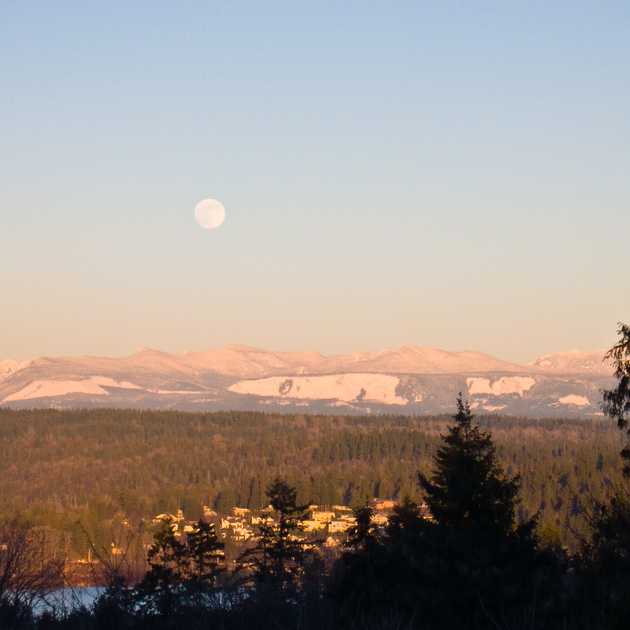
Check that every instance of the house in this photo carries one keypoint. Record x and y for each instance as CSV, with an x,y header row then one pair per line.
x,y
240,511
238,528
324,517
166,519
312,525
230,522
382,504
379,519
425,512
208,513
162,518
339,526
242,533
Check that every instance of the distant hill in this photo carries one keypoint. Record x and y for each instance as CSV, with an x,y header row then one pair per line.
x,y
574,362
410,379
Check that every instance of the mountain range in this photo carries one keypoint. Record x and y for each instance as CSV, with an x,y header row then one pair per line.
x,y
408,380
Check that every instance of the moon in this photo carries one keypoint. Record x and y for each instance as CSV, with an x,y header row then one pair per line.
x,y
210,214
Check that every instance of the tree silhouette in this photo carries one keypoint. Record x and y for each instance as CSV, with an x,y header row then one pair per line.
x,y
277,559
204,553
182,573
362,535
28,572
468,487
617,401
467,564
605,559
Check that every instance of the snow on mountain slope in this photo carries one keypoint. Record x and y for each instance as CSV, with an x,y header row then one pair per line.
x,y
47,389
345,387
501,386
93,386
574,399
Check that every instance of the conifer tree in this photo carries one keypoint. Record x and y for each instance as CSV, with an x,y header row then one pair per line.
x,y
617,401
362,535
468,487
205,562
477,563
605,559
278,558
181,573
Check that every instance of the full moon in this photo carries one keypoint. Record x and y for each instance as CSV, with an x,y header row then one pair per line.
x,y
210,214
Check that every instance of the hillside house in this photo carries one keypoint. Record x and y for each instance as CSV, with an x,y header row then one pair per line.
x,y
380,519
382,504
339,526
240,512
169,520
208,513
312,525
341,508
322,516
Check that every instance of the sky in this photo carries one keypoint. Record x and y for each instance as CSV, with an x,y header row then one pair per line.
x,y
447,174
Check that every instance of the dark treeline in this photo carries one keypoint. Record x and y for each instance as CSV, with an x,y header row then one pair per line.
x,y
75,470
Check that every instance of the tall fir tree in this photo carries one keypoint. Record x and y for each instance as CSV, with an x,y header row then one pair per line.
x,y
183,570
605,558
479,563
617,400
468,488
277,560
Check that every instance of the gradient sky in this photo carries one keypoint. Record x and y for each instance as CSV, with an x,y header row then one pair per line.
x,y
446,174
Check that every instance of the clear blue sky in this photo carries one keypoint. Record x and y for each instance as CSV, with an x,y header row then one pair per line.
x,y
445,174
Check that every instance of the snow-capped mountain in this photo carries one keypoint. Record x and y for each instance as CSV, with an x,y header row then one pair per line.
x,y
409,379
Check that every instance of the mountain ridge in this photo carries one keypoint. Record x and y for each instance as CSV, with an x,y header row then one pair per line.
x,y
409,379
249,361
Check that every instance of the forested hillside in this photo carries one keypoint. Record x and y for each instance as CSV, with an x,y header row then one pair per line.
x,y
65,468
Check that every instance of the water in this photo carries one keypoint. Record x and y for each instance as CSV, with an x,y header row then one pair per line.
x,y
68,599
65,600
